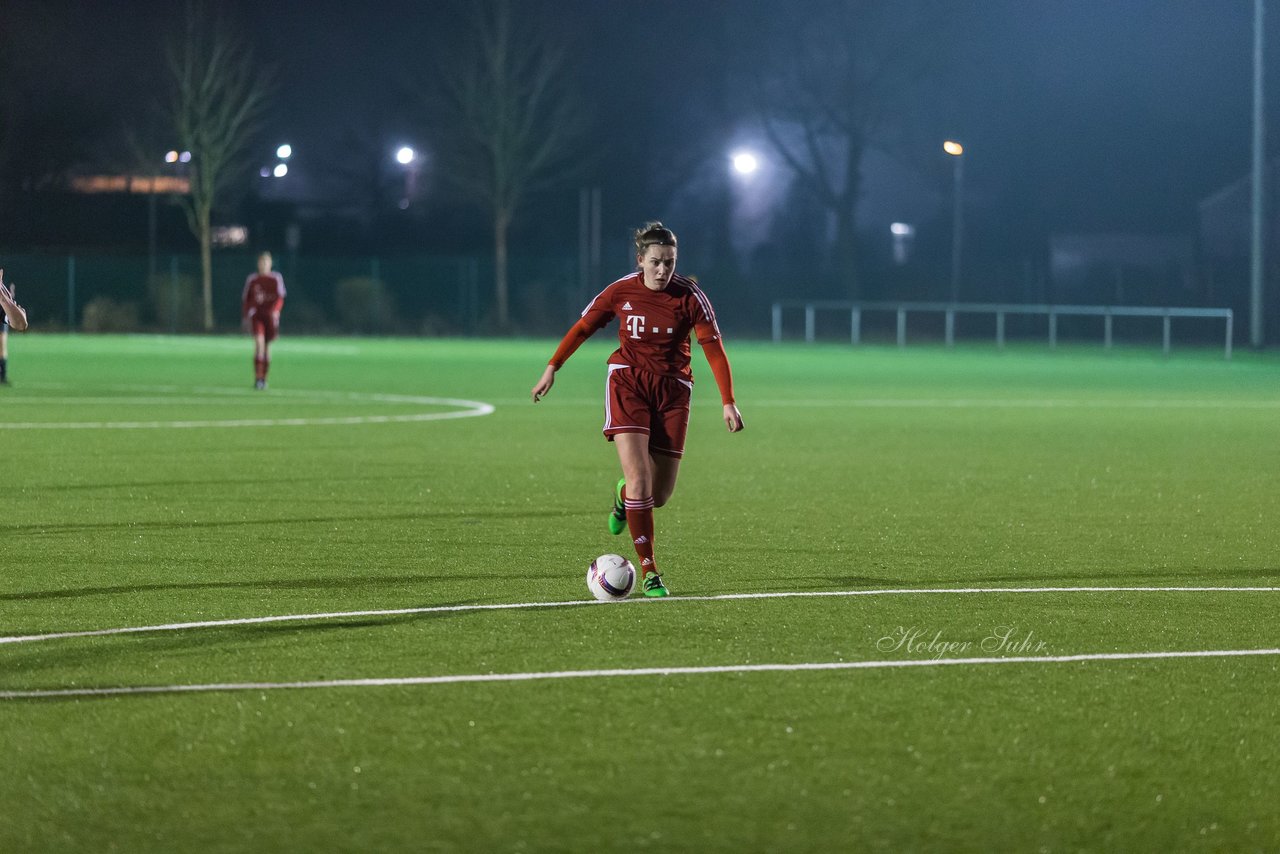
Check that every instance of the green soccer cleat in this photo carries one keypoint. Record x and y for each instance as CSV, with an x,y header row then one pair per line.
x,y
618,516
654,587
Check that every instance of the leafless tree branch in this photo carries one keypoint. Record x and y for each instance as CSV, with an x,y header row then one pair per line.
x,y
218,98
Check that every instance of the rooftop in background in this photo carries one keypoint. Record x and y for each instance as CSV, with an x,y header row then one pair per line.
x,y
158,184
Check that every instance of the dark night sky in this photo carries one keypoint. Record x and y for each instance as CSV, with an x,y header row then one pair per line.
x,y
1107,114
1118,111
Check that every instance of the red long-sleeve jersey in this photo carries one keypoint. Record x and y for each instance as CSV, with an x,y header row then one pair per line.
x,y
262,293
654,329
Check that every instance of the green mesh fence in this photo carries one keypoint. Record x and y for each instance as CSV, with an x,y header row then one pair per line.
x,y
395,295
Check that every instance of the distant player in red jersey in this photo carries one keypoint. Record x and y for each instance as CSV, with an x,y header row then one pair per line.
x,y
15,317
260,307
646,407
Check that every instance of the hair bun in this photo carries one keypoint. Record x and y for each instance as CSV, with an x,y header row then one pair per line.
x,y
653,233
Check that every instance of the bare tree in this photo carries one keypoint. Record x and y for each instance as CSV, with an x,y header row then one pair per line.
x,y
217,101
835,82
513,125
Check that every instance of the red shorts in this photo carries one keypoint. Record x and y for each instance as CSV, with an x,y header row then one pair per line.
x,y
266,326
637,401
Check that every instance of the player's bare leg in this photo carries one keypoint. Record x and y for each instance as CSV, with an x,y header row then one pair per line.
x,y
638,470
665,471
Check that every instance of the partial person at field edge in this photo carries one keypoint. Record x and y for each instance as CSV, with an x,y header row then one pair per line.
x,y
260,308
14,316
650,382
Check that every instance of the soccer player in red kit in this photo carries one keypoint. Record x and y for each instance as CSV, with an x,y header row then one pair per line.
x,y
13,316
260,307
646,407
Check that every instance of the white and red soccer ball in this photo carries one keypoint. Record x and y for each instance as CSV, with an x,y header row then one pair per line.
x,y
611,578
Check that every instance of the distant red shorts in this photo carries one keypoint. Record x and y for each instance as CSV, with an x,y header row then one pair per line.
x,y
266,326
637,401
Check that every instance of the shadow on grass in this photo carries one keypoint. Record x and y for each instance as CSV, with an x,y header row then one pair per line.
x,y
463,518
215,640
265,583
30,657
255,480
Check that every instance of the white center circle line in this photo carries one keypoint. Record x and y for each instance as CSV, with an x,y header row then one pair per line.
x,y
457,408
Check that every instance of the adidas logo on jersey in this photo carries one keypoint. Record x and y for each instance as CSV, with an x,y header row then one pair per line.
x,y
626,306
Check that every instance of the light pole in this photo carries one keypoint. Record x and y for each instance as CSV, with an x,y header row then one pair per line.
x,y
1258,199
956,150
408,158
151,226
171,157
746,200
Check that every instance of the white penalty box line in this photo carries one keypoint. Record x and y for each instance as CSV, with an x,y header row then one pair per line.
x,y
56,693
515,606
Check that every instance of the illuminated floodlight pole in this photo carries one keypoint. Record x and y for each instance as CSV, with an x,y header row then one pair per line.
x,y
1257,188
408,158
902,232
284,151
171,157
956,150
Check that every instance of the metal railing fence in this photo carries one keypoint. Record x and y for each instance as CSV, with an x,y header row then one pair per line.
x,y
1000,311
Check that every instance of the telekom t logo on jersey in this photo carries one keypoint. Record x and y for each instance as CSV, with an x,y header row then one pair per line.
x,y
635,324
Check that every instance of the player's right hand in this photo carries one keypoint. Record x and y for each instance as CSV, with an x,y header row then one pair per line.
x,y
544,385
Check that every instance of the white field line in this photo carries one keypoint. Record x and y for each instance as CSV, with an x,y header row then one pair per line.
x,y
51,693
463,409
511,606
167,400
244,422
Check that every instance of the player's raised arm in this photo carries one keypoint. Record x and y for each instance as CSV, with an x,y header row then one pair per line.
x,y
15,313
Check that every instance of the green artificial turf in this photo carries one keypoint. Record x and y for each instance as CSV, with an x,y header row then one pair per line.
x,y
861,469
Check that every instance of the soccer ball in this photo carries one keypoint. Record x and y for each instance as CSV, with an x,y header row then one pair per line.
x,y
611,578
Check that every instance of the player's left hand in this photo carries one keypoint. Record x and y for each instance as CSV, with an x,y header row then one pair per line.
x,y
733,418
